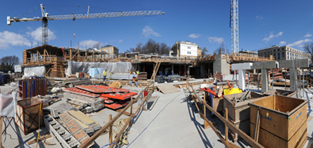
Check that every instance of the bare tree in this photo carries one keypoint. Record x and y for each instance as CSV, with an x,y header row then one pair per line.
x,y
203,51
8,62
309,49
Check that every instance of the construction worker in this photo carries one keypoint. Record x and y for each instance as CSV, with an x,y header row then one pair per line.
x,y
104,74
137,72
134,80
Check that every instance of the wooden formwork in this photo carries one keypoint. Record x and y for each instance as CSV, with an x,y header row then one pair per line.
x,y
28,112
283,121
239,112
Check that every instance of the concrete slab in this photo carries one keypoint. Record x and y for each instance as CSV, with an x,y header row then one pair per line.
x,y
242,66
301,63
266,65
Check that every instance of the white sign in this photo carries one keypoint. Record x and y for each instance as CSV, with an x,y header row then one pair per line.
x,y
17,68
189,50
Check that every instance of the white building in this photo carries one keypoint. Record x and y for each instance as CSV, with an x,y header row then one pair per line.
x,y
186,49
283,53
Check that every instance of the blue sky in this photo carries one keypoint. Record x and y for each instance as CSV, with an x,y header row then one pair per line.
x,y
205,22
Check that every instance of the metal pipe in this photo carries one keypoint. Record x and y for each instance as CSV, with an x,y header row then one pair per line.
x,y
285,77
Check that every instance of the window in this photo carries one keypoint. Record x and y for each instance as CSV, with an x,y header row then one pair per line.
x,y
189,47
188,52
111,50
278,56
278,49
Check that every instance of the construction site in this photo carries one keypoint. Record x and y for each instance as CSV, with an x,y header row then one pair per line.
x,y
76,98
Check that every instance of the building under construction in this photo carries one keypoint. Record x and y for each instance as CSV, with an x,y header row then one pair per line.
x,y
55,60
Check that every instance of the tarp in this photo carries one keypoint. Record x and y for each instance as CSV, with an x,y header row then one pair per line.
x,y
8,104
118,67
34,71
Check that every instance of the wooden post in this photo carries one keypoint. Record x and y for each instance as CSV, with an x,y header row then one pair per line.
x,y
131,112
206,125
71,53
1,120
226,127
110,129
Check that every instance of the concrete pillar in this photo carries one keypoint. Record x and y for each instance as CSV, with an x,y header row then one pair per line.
x,y
293,65
265,66
220,65
242,67
264,77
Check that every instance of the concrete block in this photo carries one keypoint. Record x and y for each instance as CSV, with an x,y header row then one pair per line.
x,y
243,66
301,63
266,65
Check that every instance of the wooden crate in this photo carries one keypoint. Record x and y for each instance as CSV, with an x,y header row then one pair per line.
x,y
281,92
27,115
239,113
283,121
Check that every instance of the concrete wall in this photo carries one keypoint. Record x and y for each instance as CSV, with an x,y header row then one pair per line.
x,y
220,65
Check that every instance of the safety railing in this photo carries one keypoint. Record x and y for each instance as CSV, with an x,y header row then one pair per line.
x,y
128,122
227,123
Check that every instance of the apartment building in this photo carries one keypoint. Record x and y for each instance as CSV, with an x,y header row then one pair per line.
x,y
112,51
283,53
186,49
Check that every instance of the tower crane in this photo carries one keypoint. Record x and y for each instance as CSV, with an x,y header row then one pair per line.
x,y
45,17
234,24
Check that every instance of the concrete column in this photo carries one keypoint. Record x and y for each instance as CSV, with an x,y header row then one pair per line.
x,y
264,77
220,65
242,79
293,65
242,67
265,66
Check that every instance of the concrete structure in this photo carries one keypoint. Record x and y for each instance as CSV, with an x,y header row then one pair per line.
x,y
283,53
248,52
112,51
293,65
242,67
220,65
186,49
265,66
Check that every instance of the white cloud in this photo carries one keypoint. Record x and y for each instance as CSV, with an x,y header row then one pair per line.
x,y
37,34
88,44
282,43
271,36
120,41
8,39
194,36
308,35
297,43
147,31
259,17
215,40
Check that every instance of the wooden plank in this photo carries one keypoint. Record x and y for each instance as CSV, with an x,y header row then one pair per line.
x,y
230,125
40,139
226,127
106,126
1,120
279,123
257,126
268,139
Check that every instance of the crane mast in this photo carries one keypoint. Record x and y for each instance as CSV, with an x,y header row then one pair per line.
x,y
234,26
45,18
